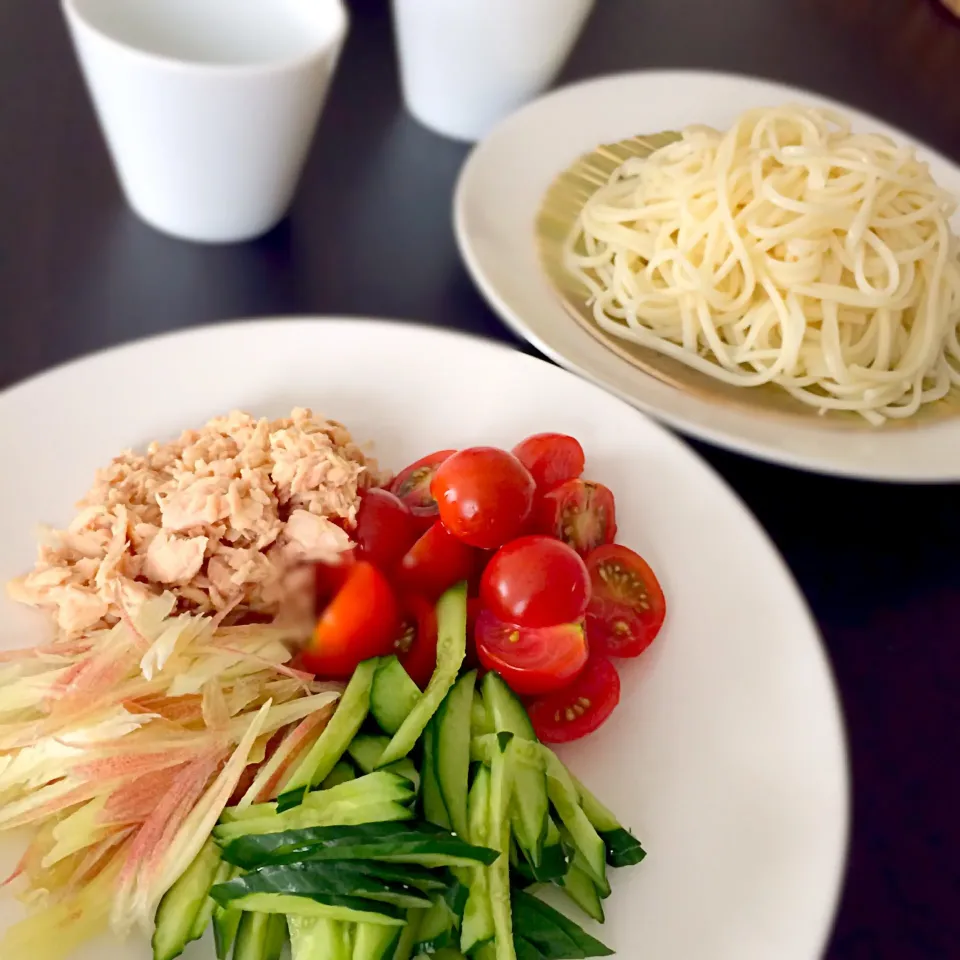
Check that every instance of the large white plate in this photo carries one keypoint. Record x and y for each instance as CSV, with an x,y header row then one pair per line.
x,y
497,197
726,755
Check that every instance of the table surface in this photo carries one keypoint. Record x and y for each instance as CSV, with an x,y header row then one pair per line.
x,y
878,564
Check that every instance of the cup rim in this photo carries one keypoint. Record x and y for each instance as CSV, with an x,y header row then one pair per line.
x,y
278,65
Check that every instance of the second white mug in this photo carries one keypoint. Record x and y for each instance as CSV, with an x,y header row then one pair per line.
x,y
208,107
465,65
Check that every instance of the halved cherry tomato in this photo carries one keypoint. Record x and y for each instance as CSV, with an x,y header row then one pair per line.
x,y
474,608
385,528
416,646
361,621
412,486
551,458
628,606
436,561
579,512
484,495
330,577
532,660
580,708
536,581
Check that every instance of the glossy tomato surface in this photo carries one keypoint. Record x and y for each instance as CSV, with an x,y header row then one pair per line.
x,y
385,529
536,581
416,645
435,562
581,707
531,660
412,486
628,608
484,495
361,621
579,512
551,458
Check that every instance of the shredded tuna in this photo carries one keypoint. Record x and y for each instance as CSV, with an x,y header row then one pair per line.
x,y
219,517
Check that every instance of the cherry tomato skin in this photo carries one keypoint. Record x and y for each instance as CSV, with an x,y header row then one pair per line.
x,y
435,562
628,608
474,608
580,708
536,581
416,646
531,660
579,512
484,496
385,528
360,622
330,577
551,458
412,485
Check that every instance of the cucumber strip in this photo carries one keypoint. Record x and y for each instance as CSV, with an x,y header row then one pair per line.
x,y
365,750
550,932
405,768
225,923
479,718
324,755
408,936
381,882
351,909
498,834
182,903
205,914
530,809
373,942
578,886
397,842
438,928
451,649
434,809
477,927
260,936
452,750
553,864
342,772
393,695
577,860
622,847
314,938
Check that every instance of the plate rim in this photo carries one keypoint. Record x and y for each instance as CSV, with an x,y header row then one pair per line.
x,y
724,438
819,651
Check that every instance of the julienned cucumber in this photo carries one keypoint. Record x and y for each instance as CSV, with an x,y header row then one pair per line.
x,y
260,936
623,848
365,750
393,695
451,649
530,806
434,809
451,750
316,938
351,909
477,927
177,913
330,746
373,942
498,835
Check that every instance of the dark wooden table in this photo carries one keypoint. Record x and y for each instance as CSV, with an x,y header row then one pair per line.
x,y
879,564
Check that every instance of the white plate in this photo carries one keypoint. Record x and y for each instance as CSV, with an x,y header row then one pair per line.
x,y
726,755
500,190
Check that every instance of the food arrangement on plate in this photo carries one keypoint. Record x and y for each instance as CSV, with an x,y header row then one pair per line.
x,y
787,253
290,698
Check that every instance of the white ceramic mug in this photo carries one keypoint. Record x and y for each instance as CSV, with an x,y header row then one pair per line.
x,y
208,107
466,64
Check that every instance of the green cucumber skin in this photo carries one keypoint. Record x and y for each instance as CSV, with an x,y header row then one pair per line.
x,y
393,695
451,756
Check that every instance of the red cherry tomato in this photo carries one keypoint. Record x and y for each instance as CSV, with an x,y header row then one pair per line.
x,y
385,528
551,458
536,582
359,623
436,561
484,495
580,708
474,608
628,607
330,577
412,486
580,513
532,660
416,645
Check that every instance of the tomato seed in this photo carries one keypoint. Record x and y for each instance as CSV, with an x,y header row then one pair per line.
x,y
570,715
